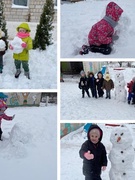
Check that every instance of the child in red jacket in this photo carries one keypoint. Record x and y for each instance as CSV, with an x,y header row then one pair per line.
x,y
3,107
101,34
130,88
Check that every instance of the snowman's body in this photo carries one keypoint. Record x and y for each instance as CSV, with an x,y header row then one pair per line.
x,y
2,45
17,45
120,91
121,155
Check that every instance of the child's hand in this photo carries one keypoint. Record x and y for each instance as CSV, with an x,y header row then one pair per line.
x,y
11,47
103,168
24,45
13,116
88,156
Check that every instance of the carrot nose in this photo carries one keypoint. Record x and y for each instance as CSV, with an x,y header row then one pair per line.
x,y
118,139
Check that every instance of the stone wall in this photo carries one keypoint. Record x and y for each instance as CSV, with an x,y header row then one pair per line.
x,y
27,14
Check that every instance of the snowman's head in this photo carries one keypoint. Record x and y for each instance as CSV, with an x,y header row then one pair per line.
x,y
121,137
119,76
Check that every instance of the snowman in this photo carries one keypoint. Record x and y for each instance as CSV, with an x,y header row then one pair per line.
x,y
2,45
16,43
120,91
121,154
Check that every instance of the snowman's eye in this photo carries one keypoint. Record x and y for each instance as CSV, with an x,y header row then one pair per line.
x,y
115,134
122,134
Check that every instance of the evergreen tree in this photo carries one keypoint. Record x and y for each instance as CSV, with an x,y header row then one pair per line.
x,y
43,35
2,19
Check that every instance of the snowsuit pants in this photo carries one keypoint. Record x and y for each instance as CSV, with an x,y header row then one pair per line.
x,y
1,63
108,94
104,49
25,65
0,133
100,92
93,92
130,97
83,92
96,177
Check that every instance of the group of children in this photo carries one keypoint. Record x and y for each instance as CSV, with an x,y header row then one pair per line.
x,y
96,85
23,32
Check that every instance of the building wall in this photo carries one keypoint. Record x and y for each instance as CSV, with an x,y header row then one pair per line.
x,y
28,14
66,128
93,66
23,99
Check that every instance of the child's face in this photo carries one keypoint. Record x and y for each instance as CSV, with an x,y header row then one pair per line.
x,y
91,75
99,76
94,136
22,30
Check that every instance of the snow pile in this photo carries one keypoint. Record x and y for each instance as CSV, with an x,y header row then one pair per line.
x,y
120,91
2,45
16,43
121,154
20,135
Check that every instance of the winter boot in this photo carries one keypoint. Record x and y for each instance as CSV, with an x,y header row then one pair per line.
x,y
18,72
85,50
27,74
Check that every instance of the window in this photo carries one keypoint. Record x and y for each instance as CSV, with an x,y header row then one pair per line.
x,y
20,2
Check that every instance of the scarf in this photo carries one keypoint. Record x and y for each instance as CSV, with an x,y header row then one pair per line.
x,y
110,21
22,35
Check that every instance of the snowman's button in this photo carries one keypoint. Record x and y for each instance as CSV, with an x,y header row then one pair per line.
x,y
122,152
124,174
123,161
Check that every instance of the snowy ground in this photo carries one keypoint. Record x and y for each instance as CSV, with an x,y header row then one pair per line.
x,y
76,25
43,66
71,163
74,107
29,146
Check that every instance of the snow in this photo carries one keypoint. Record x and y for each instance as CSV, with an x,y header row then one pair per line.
x,y
16,43
74,107
2,44
76,25
29,146
42,64
71,163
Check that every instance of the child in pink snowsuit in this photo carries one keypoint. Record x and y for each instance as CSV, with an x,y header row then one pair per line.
x,y
101,34
3,107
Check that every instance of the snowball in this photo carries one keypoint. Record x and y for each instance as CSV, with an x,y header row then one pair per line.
x,y
2,45
16,43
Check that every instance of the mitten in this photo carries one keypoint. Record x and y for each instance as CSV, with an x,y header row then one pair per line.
x,y
11,47
24,45
88,156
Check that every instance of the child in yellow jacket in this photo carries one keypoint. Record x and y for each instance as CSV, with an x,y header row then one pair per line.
x,y
23,57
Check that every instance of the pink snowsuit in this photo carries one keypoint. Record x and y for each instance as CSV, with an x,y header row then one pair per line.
x,y
4,116
102,31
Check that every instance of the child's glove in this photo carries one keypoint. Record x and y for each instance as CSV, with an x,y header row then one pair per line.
x,y
11,47
103,168
24,45
88,156
13,116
